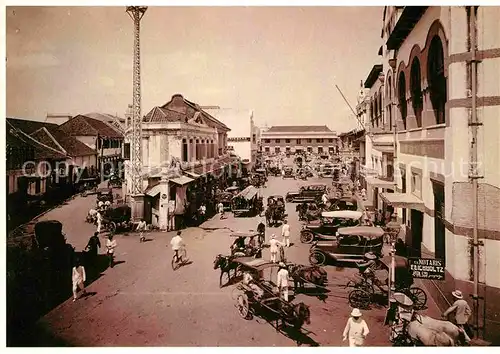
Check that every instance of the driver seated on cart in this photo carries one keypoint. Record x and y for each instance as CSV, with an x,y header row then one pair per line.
x,y
370,264
248,279
239,244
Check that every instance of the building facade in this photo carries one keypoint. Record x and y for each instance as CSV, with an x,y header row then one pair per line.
x,y
181,144
441,97
293,139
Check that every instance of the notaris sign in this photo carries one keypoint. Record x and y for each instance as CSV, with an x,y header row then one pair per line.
x,y
426,268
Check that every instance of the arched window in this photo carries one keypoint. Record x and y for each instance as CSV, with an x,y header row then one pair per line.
x,y
184,150
416,91
437,80
402,98
380,109
389,101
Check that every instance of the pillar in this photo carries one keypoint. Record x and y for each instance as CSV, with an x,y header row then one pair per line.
x,y
164,197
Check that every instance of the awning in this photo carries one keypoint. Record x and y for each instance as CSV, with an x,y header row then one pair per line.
x,y
379,183
182,180
403,200
192,174
388,149
153,191
248,193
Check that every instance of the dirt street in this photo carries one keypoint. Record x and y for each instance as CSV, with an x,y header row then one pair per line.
x,y
142,302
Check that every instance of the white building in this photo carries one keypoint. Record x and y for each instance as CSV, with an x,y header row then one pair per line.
x,y
437,64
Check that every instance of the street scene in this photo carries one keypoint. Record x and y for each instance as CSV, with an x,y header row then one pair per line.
x,y
201,217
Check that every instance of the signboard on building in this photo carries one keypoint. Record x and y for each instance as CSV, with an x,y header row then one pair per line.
x,y
427,268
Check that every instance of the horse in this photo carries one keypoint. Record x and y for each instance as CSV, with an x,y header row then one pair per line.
x,y
299,315
226,264
453,331
312,274
270,216
428,337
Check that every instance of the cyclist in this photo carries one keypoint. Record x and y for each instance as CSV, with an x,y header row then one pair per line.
x,y
141,227
177,244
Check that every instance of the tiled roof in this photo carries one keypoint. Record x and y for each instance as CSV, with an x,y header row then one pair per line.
x,y
165,115
105,117
17,138
298,128
86,126
50,135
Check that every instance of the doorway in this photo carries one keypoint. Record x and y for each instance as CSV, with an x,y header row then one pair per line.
x,y
439,227
416,226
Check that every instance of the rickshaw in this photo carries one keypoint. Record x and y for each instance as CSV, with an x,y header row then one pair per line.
x,y
329,222
351,245
115,182
246,244
104,195
118,218
260,296
247,202
376,280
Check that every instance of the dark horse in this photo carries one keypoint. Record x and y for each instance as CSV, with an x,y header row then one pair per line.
x,y
226,264
296,318
310,274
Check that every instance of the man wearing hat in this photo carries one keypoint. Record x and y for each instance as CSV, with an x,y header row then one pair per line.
x,y
356,329
282,281
462,313
274,247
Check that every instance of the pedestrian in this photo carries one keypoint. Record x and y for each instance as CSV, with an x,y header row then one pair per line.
x,y
366,218
141,227
462,312
285,233
220,209
78,278
356,329
274,247
110,246
93,245
261,229
202,211
324,199
282,281
99,222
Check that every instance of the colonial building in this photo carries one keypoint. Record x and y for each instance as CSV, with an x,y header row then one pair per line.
x,y
441,94
99,135
181,144
318,139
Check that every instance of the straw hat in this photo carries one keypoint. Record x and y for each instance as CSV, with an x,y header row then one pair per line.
x,y
281,264
458,294
370,255
356,313
273,236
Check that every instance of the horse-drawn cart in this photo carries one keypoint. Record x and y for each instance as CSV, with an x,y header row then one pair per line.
x,y
247,202
260,296
275,211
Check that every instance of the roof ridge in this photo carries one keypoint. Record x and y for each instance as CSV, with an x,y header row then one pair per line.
x,y
54,140
37,142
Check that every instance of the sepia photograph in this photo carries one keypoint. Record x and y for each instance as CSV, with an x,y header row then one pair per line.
x,y
273,175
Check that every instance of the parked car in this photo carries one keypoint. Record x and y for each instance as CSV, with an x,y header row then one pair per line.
x,y
104,195
325,228
344,203
351,244
288,172
308,194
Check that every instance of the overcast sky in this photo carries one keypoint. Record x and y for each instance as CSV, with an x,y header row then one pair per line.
x,y
281,62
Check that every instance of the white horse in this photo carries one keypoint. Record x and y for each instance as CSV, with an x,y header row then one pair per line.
x,y
427,336
447,327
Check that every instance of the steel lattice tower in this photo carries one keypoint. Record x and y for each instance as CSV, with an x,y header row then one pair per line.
x,y
136,13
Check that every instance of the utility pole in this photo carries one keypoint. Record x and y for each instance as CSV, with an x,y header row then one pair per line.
x,y
137,202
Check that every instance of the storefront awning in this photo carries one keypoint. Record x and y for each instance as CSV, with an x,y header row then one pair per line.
x,y
192,174
153,191
182,180
387,149
379,183
403,200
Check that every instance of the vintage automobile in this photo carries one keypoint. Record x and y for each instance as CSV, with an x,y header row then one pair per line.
x,y
115,182
351,245
274,171
344,203
104,195
326,172
262,172
310,193
288,172
118,218
326,227
88,186
247,202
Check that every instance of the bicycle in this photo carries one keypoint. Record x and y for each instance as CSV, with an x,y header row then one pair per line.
x,y
179,259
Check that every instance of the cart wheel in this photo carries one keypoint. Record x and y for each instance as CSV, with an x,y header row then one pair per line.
x,y
243,306
112,226
418,296
317,258
359,299
366,287
306,237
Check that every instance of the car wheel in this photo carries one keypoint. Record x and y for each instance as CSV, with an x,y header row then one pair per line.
x,y
317,258
306,237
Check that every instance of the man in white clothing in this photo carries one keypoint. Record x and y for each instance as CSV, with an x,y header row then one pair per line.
x,y
110,250
285,232
220,209
324,198
282,281
177,244
356,329
99,222
141,227
78,278
274,247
